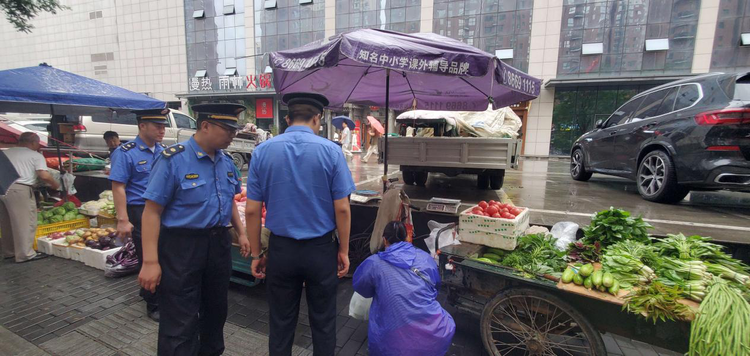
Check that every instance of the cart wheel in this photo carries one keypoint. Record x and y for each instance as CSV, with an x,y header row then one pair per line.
x,y
408,177
483,180
528,321
420,178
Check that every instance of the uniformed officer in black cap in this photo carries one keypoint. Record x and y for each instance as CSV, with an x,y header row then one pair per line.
x,y
190,194
305,183
131,166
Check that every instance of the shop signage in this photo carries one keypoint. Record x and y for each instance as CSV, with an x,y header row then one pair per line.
x,y
252,82
264,108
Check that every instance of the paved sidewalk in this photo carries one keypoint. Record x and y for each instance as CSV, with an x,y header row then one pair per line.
x,y
61,307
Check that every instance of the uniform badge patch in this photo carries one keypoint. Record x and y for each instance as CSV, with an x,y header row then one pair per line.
x,y
191,176
230,174
143,162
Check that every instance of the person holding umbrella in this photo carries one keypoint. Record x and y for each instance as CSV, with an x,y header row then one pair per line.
x,y
186,240
305,183
18,219
373,147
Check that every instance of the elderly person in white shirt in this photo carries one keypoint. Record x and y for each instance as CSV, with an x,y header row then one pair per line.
x,y
18,220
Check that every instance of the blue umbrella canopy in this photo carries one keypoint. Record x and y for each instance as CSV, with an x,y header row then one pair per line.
x,y
46,90
339,121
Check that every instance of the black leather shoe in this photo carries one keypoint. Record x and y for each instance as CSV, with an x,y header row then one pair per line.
x,y
153,315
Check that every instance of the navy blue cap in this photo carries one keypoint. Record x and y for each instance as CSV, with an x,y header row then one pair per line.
x,y
223,113
157,116
315,100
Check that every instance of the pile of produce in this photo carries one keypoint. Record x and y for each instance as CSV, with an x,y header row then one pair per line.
x,y
66,212
535,255
104,206
496,210
123,262
587,276
241,199
720,328
657,301
99,239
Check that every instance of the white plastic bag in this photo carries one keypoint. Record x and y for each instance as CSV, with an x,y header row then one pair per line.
x,y
359,307
447,237
565,233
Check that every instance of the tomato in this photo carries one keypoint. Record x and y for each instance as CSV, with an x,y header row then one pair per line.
x,y
237,196
496,215
477,210
483,204
515,211
504,210
492,202
508,216
491,210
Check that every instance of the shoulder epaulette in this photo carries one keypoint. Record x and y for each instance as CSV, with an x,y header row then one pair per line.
x,y
162,145
171,151
127,146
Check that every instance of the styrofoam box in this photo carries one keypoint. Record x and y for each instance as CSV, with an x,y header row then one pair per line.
x,y
76,253
492,232
44,245
98,258
60,248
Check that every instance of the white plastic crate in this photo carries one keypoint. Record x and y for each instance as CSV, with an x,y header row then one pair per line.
x,y
76,253
60,248
98,258
44,245
493,232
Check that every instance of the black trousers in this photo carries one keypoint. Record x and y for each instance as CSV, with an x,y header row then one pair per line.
x,y
290,264
135,212
195,270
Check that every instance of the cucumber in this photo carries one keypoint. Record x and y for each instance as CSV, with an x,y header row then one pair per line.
x,y
596,278
567,276
587,269
614,288
608,280
492,256
587,282
485,260
577,279
496,251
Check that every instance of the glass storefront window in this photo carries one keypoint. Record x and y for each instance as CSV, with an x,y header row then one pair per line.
x,y
734,19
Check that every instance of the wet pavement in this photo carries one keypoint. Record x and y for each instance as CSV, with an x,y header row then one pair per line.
x,y
546,188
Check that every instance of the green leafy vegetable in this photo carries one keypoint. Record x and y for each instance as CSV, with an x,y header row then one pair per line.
x,y
657,302
535,255
625,261
613,225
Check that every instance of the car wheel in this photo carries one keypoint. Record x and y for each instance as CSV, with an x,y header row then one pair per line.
x,y
496,180
577,168
408,177
238,160
657,179
483,179
420,178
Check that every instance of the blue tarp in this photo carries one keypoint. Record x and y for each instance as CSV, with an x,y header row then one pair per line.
x,y
405,316
43,89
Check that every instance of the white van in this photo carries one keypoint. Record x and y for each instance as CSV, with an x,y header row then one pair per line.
x,y
89,133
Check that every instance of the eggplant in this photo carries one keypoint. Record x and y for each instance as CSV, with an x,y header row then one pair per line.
x,y
105,241
90,243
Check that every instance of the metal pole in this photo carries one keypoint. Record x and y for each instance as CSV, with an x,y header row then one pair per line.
x,y
385,140
59,155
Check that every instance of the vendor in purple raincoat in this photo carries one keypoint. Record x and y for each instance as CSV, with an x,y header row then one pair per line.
x,y
405,317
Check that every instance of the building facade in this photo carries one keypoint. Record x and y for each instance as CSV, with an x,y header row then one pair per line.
x,y
593,55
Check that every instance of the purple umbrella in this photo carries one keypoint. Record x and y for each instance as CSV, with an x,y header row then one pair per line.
x,y
414,71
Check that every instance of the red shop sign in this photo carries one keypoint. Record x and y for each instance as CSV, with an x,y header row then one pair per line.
x,y
264,108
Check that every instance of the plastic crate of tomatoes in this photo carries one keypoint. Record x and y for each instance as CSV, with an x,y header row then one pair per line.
x,y
493,224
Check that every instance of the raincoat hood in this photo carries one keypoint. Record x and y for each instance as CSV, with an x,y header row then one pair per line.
x,y
401,255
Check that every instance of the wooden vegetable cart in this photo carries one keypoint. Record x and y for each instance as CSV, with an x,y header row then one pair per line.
x,y
522,316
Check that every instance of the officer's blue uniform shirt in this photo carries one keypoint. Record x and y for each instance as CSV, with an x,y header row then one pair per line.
x,y
299,175
131,165
195,191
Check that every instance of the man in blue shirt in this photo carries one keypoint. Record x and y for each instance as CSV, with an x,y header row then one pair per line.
x,y
305,183
186,240
131,165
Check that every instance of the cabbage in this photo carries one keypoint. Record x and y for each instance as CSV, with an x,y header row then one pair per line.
x,y
58,211
55,219
79,216
47,214
71,215
39,216
69,206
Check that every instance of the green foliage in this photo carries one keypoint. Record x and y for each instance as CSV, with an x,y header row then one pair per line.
x,y
20,12
614,225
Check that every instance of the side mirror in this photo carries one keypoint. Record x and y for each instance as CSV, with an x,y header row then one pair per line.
x,y
599,124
